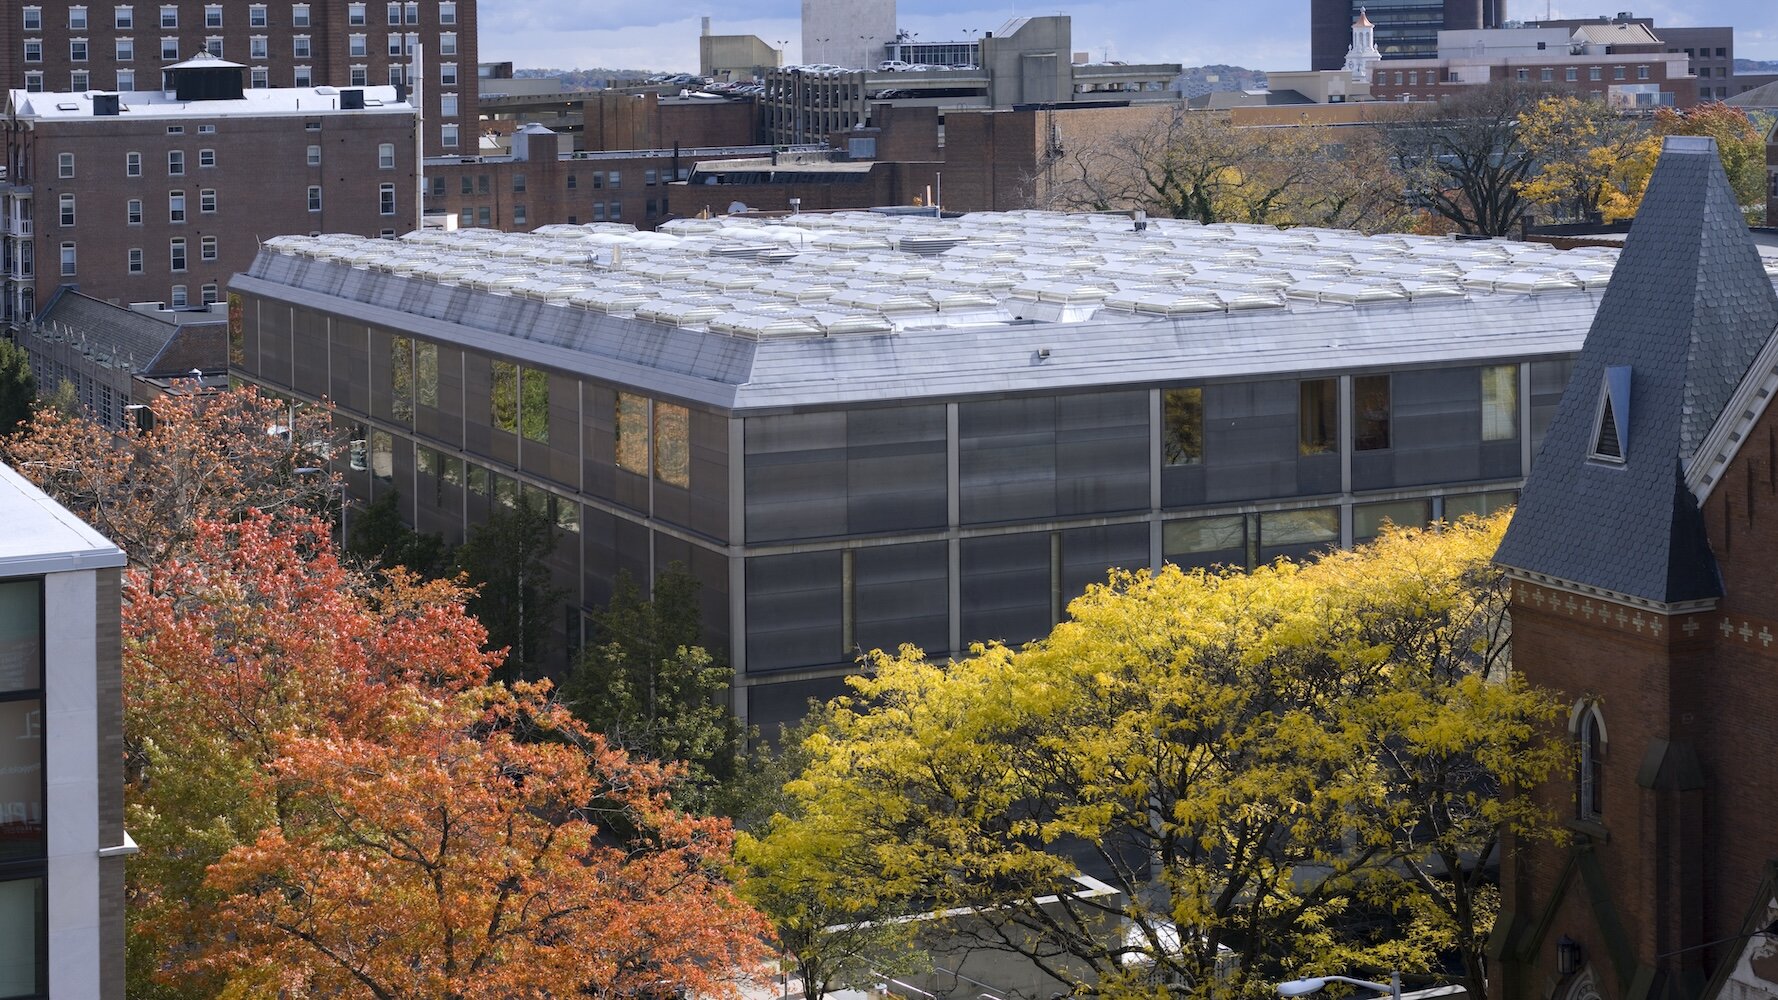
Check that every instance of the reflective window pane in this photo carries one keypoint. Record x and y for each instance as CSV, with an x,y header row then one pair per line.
x,y
503,397
24,911
672,445
426,373
1368,518
632,433
1500,402
1182,426
534,407
1317,419
1298,534
21,780
1203,542
1370,412
21,636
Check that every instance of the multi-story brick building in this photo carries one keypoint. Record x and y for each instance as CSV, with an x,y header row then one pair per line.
x,y
1709,50
161,196
58,45
1642,560
1620,63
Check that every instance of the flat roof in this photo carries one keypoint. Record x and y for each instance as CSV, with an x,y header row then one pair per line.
x,y
858,307
42,536
262,102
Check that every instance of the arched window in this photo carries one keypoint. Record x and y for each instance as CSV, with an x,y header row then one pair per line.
x,y
1587,726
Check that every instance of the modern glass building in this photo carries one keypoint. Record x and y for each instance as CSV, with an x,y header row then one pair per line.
x,y
61,753
863,430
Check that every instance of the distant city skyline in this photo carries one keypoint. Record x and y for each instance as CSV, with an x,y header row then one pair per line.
x,y
1257,34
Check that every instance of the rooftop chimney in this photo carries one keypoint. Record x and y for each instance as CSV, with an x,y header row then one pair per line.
x,y
706,26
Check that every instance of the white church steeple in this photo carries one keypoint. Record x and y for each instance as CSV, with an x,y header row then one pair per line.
x,y
1363,54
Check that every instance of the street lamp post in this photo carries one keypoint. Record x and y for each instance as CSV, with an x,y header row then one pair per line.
x,y
1303,987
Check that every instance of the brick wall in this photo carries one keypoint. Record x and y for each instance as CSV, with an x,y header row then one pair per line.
x,y
261,180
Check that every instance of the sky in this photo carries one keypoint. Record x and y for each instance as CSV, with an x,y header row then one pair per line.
x,y
1257,34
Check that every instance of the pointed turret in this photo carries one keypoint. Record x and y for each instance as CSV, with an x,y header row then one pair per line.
x,y
1688,310
1363,54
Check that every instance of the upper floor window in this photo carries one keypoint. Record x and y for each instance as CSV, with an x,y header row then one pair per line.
x,y
447,43
169,16
33,50
132,164
213,45
64,164
256,16
77,50
355,45
77,18
447,12
126,80
447,74
33,18
413,12
1500,403
386,199
207,200
212,15
355,13
34,82
1370,413
299,46
1587,727
256,47
170,48
79,81
395,13
126,49
299,15
206,157
302,76
175,163
124,16
67,210
314,156
447,105
386,156
447,135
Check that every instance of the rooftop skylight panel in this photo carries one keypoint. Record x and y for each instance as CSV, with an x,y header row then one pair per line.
x,y
1066,292
1347,292
1520,280
835,323
1163,302
795,290
758,325
680,314
611,301
880,302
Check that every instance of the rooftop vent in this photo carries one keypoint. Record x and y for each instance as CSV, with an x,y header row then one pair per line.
x,y
352,99
105,105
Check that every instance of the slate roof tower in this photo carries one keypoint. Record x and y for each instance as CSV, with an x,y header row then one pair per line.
x,y
1643,557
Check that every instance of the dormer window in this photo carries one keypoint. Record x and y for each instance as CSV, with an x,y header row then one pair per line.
x,y
1611,424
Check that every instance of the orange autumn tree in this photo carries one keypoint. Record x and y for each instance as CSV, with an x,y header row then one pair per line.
x,y
284,716
463,856
204,455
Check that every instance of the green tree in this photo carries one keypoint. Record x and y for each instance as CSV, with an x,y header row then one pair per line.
x,y
379,539
1254,756
649,686
18,387
505,559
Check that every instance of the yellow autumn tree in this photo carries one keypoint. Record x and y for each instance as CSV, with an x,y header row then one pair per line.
x,y
1289,771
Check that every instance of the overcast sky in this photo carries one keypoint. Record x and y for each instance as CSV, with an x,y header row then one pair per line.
x,y
1258,34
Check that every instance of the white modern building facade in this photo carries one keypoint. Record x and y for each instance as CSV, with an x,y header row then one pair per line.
x,y
62,841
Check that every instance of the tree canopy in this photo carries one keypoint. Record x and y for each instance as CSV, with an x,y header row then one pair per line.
x,y
202,456
18,387
331,798
1292,770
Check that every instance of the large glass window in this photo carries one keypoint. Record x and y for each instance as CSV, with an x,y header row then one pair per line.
x,y
401,377
1500,402
632,433
534,405
21,638
21,763
1205,542
24,911
1370,412
1368,519
672,445
1298,534
1182,429
1317,416
426,373
504,397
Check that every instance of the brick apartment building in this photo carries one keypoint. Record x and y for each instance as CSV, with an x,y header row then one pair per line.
x,y
61,46
1643,591
162,197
